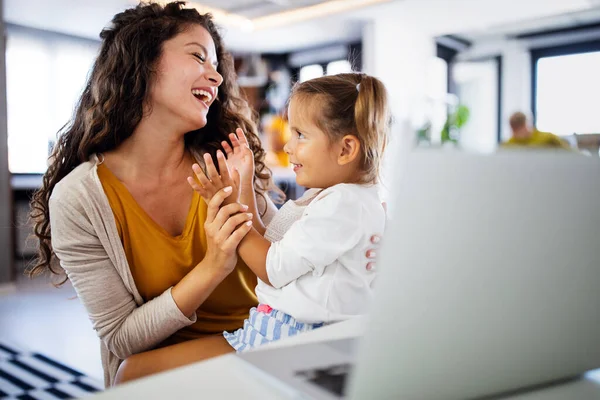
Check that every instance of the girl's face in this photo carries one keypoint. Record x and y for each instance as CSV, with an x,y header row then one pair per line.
x,y
313,154
187,80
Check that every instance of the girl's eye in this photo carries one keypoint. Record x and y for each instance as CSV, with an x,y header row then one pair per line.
x,y
300,135
200,57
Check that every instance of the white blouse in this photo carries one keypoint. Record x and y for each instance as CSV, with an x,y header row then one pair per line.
x,y
317,263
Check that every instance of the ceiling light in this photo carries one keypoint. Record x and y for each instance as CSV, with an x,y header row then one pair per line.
x,y
311,12
282,18
220,16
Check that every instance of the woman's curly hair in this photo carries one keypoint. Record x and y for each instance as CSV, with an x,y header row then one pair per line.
x,y
112,105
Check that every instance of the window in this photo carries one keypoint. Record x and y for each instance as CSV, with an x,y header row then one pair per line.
x,y
327,68
338,67
566,93
478,88
310,72
27,105
437,82
431,119
45,75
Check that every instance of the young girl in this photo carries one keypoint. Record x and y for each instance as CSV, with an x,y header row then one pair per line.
x,y
310,261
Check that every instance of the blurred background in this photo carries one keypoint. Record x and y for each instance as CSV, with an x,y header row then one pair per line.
x,y
456,71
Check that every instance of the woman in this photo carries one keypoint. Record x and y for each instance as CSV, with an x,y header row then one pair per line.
x,y
151,262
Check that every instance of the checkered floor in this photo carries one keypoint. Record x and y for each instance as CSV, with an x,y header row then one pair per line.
x,y
31,376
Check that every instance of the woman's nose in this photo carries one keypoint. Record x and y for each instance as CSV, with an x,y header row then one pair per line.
x,y
214,76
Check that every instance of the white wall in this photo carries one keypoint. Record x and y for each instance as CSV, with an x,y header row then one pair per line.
x,y
6,230
399,53
477,88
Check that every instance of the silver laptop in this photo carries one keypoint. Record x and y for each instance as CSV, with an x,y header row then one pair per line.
x,y
490,283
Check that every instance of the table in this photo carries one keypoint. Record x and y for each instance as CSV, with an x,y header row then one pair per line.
x,y
228,377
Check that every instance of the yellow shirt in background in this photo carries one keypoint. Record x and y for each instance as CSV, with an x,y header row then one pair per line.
x,y
539,139
281,134
158,261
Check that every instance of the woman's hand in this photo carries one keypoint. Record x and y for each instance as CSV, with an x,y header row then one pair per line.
x,y
225,227
371,254
240,156
209,183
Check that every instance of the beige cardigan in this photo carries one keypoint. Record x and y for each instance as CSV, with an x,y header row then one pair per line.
x,y
87,243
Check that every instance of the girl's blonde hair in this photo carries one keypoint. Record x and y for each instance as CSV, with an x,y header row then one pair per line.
x,y
352,103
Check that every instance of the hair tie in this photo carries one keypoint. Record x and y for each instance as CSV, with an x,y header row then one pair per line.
x,y
358,87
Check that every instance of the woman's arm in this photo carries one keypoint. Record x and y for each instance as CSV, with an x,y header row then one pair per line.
x,y
225,227
121,324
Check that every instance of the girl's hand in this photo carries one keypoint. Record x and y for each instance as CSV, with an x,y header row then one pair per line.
x,y
240,157
225,227
209,183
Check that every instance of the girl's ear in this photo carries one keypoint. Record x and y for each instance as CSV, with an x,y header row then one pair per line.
x,y
350,149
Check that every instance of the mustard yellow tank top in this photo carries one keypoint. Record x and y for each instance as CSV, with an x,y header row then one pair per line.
x,y
158,261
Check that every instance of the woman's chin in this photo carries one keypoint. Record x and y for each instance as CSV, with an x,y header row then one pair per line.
x,y
198,123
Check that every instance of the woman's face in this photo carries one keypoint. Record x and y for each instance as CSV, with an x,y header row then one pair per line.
x,y
187,80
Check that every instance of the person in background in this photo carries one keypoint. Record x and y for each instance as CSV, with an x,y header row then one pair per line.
x,y
278,134
524,134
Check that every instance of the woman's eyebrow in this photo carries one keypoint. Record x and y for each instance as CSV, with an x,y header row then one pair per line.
x,y
197,44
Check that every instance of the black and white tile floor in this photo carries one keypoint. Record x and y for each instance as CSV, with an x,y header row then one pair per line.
x,y
28,375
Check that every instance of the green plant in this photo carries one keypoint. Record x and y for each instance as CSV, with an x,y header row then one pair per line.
x,y
424,134
454,122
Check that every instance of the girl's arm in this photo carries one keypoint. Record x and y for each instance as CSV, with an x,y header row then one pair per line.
x,y
310,244
253,250
248,197
330,226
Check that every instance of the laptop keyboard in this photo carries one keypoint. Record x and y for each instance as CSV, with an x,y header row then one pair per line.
x,y
333,379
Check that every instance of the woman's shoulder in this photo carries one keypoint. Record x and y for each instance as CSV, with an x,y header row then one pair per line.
x,y
76,183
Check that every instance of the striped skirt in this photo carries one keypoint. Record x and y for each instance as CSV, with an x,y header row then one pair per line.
x,y
265,326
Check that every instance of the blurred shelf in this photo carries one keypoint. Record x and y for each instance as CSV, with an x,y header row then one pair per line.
x,y
26,182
